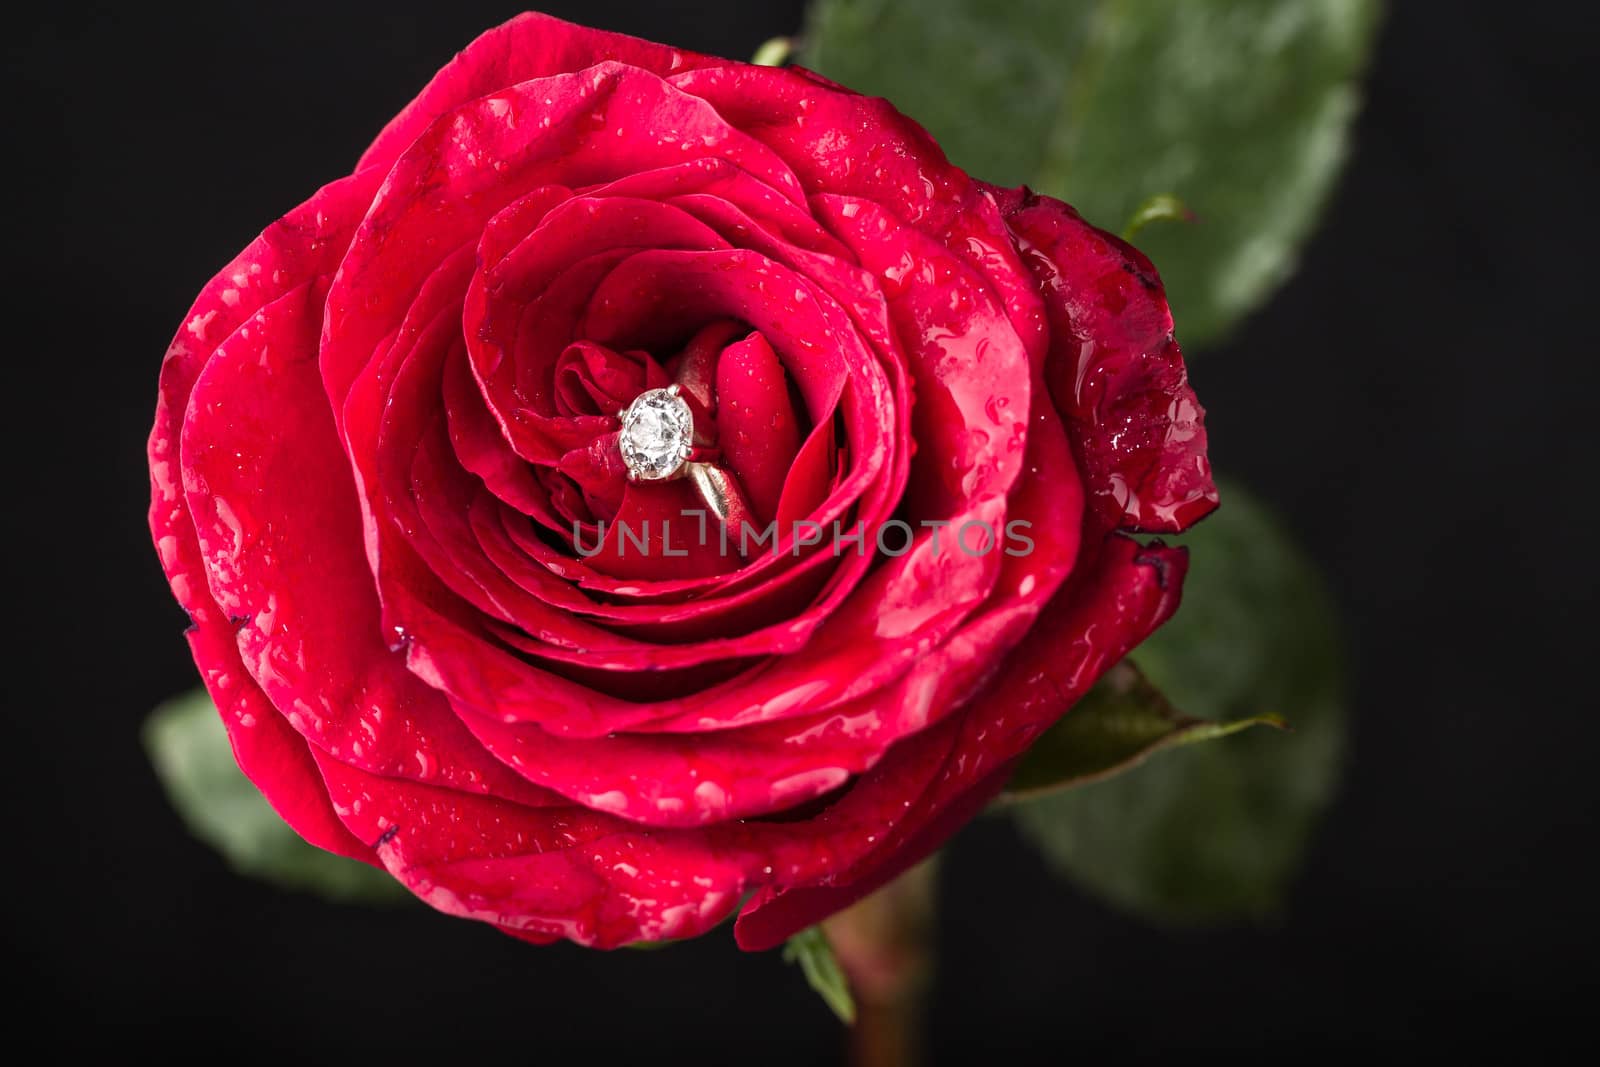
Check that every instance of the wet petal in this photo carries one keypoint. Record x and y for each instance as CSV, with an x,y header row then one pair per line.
x,y
971,370
532,45
949,773
544,873
303,246
279,528
1116,371
836,141
269,752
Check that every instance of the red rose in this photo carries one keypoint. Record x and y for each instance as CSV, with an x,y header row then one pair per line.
x,y
385,453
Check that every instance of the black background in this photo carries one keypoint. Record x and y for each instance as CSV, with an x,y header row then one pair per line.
x,y
1418,402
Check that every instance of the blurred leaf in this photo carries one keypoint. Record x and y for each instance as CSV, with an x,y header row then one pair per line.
x,y
811,950
1163,207
189,748
1213,832
1120,723
774,52
1240,107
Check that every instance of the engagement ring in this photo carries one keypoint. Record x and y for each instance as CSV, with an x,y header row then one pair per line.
x,y
660,441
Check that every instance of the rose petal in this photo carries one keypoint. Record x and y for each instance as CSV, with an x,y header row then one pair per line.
x,y
592,379
275,758
280,531
1092,624
756,425
545,873
532,45
302,246
972,370
836,141
1116,372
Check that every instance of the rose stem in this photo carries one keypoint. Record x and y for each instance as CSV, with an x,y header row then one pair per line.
x,y
884,945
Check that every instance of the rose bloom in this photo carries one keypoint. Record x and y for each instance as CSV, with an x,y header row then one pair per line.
x,y
383,427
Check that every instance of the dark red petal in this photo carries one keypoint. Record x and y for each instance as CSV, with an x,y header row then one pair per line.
x,y
1116,372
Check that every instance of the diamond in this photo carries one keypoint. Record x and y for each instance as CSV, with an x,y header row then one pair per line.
x,y
657,431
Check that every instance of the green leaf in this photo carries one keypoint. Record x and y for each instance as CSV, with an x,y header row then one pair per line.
x,y
811,950
1239,107
1163,207
1214,832
774,52
1119,724
189,748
